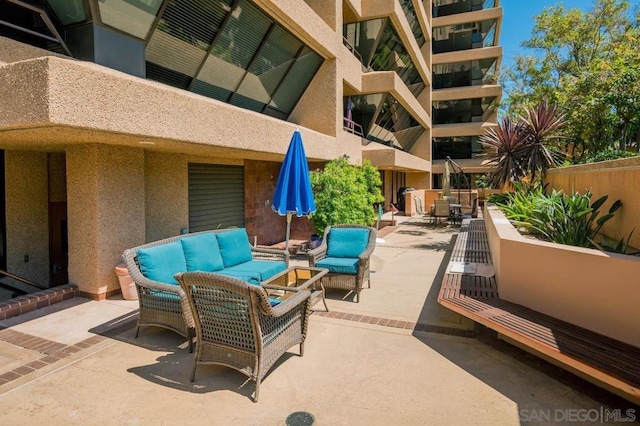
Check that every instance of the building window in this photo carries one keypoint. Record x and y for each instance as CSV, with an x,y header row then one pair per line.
x,y
458,147
462,111
470,35
465,73
385,120
238,56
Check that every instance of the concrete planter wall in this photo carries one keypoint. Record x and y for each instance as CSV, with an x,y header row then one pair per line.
x,y
589,288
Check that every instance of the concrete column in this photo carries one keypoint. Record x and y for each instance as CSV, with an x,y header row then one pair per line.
x,y
106,213
27,215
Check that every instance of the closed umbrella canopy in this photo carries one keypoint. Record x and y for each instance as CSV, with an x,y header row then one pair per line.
x,y
446,182
293,194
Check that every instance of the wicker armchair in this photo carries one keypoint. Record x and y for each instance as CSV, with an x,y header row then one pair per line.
x,y
165,305
237,327
337,277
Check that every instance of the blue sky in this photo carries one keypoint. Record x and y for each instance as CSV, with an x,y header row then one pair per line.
x,y
518,21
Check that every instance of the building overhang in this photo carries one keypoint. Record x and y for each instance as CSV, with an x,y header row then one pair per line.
x,y
390,82
467,92
467,55
56,102
387,158
462,18
461,129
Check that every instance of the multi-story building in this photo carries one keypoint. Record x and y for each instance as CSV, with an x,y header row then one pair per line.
x,y
465,94
126,121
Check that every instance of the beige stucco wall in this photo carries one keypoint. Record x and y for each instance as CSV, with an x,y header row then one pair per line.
x,y
50,107
166,180
12,51
106,212
619,179
329,11
419,180
318,107
592,289
27,213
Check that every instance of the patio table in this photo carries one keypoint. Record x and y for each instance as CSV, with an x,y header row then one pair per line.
x,y
295,278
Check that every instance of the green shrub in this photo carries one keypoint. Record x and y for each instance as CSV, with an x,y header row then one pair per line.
x,y
560,218
345,194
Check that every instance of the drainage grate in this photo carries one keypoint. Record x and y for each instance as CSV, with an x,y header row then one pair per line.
x,y
300,418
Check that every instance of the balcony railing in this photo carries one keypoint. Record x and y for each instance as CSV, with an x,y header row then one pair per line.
x,y
352,127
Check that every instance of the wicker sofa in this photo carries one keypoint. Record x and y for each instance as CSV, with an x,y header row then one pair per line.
x,y
345,251
226,252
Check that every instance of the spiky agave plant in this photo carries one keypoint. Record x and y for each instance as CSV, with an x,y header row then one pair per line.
x,y
524,148
542,126
508,140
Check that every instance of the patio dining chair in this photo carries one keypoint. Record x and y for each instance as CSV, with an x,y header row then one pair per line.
x,y
442,209
345,251
239,326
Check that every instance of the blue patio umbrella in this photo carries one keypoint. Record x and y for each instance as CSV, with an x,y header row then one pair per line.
x,y
293,194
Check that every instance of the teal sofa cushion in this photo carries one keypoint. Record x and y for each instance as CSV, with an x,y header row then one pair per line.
x,y
248,277
202,253
265,269
339,265
347,242
161,263
234,247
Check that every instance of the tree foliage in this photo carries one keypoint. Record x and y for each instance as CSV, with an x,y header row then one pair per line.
x,y
588,64
345,194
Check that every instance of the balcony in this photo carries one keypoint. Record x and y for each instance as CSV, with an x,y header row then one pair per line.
x,y
465,36
465,73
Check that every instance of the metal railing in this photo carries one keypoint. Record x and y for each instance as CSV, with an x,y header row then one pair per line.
x,y
45,19
20,279
352,127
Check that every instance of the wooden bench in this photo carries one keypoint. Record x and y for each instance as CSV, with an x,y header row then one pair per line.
x,y
606,362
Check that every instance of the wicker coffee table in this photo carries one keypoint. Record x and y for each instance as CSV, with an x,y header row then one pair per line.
x,y
297,278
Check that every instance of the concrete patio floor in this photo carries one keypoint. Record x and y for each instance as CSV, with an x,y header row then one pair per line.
x,y
412,362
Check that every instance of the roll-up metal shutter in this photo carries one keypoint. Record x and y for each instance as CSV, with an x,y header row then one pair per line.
x,y
216,197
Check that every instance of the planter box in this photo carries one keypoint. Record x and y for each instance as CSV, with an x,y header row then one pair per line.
x,y
592,289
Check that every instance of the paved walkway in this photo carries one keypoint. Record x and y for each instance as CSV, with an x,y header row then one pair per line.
x,y
395,358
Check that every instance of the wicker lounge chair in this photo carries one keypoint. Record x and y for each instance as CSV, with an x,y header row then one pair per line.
x,y
347,271
237,327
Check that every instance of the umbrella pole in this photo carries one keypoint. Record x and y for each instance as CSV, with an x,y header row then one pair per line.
x,y
286,244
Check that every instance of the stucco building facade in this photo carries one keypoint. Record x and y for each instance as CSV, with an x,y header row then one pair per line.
x,y
127,121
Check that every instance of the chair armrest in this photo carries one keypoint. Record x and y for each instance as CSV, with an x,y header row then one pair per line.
x,y
283,288
290,303
270,254
317,254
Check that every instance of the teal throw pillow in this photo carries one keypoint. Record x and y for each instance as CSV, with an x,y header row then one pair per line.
x,y
234,247
347,242
202,253
161,263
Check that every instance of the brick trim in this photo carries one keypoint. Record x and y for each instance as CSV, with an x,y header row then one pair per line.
x,y
40,299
